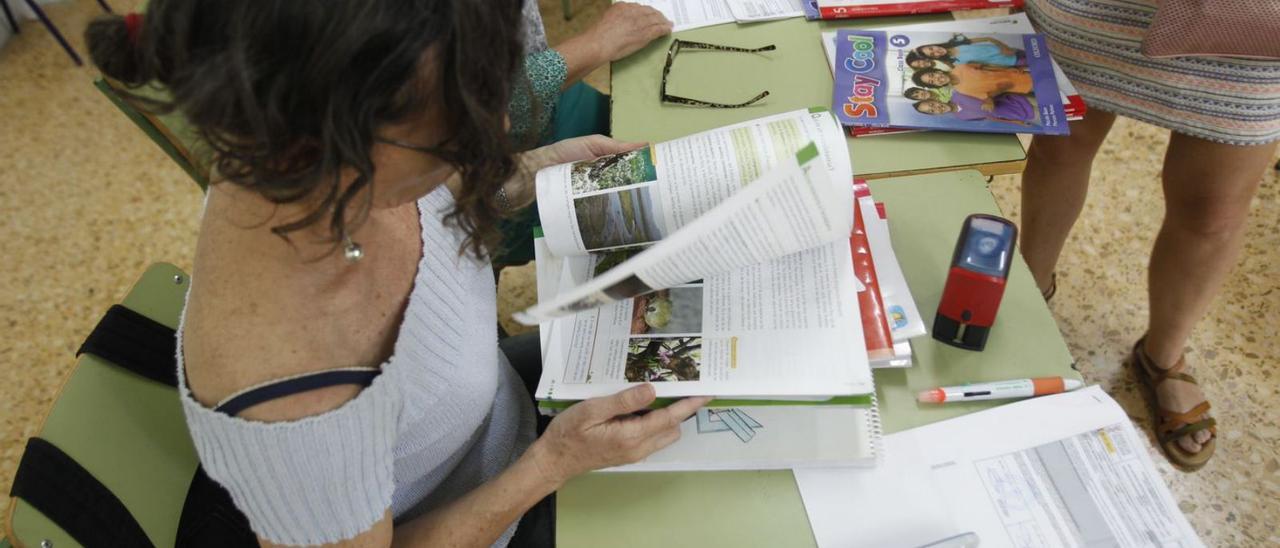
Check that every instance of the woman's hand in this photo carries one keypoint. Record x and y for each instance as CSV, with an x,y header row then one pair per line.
x,y
603,432
625,28
521,191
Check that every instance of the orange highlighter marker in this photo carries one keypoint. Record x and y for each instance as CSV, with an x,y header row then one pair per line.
x,y
999,390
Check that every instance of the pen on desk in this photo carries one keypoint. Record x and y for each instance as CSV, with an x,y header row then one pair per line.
x,y
1016,388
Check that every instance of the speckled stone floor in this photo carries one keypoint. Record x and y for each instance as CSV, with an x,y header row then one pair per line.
x,y
86,202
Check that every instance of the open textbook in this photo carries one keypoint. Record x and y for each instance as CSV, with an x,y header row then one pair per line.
x,y
973,82
720,265
697,206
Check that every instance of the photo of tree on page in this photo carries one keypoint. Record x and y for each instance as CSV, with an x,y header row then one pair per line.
x,y
670,311
664,359
614,171
614,219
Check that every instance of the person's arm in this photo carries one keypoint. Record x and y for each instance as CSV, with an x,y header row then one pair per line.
x,y
521,189
622,30
595,433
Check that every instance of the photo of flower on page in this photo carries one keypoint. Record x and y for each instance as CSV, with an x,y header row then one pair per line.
x,y
618,170
664,359
669,311
614,219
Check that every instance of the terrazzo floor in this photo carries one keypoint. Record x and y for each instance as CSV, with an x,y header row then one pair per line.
x,y
86,202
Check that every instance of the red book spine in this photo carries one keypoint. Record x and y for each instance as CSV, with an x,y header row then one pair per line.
x,y
912,8
875,327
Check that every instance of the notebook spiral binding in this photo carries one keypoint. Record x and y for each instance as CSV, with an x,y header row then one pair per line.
x,y
877,430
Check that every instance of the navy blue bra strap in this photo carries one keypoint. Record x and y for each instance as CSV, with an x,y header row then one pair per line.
x,y
295,385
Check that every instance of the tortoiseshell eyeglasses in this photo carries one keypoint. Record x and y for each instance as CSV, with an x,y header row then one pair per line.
x,y
677,45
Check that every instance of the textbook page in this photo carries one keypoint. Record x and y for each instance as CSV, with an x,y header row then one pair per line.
x,y
691,14
641,196
791,208
1065,470
785,328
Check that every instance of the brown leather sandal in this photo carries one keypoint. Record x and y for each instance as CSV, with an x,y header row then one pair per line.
x,y
1171,425
1052,290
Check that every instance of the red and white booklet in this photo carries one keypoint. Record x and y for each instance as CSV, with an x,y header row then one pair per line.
x,y
1072,103
875,326
853,9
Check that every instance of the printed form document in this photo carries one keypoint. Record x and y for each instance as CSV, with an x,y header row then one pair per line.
x,y
1065,470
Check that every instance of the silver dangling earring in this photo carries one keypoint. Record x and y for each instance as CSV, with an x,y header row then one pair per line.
x,y
351,251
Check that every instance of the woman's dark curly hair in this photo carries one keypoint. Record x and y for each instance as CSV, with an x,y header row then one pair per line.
x,y
290,93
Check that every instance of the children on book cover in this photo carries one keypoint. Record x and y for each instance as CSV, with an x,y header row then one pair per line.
x,y
991,83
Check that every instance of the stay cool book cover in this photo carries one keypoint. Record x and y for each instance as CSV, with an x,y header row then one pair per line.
x,y
986,83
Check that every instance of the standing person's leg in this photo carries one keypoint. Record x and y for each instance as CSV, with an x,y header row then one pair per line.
x,y
1054,186
1208,188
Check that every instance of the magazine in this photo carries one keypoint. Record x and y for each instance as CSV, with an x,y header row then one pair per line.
x,y
975,82
852,9
739,292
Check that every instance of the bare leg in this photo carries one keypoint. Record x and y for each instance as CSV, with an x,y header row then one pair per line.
x,y
1208,188
1054,187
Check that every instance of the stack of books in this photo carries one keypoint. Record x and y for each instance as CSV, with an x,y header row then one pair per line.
x,y
890,318
727,264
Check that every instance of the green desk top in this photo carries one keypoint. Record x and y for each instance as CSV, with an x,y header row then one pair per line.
x,y
764,508
796,76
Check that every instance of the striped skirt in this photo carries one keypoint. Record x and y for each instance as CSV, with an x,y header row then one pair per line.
x,y
1227,100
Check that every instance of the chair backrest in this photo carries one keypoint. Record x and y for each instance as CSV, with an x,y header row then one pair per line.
x,y
127,431
170,131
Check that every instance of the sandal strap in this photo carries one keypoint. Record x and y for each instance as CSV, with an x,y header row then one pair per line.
x,y
1159,374
1192,415
1052,290
1207,424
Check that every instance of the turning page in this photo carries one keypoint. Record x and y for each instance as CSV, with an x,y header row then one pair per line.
x,y
751,203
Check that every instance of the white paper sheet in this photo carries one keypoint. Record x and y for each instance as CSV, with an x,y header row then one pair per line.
x,y
1064,470
691,14
750,11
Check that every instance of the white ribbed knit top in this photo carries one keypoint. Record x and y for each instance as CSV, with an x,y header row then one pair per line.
x,y
446,414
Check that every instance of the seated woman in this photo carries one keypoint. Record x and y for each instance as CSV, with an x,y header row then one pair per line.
x,y
557,105
979,51
339,366
1008,108
981,81
562,106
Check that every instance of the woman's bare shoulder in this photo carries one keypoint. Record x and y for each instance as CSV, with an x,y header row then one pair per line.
x,y
252,318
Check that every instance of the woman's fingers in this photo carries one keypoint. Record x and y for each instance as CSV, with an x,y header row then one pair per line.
x,y
623,403
670,417
599,145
